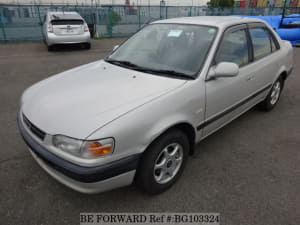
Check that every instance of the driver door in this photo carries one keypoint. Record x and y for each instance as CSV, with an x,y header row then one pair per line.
x,y
226,97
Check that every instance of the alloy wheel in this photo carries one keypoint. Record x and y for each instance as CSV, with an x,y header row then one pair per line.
x,y
168,163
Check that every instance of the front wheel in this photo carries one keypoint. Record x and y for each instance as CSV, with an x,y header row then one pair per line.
x,y
273,96
163,162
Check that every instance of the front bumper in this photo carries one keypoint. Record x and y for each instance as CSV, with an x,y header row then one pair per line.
x,y
83,179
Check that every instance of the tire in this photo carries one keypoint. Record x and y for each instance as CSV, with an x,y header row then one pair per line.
x,y
88,46
273,97
168,154
50,48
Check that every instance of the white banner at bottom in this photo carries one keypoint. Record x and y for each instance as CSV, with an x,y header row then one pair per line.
x,y
149,218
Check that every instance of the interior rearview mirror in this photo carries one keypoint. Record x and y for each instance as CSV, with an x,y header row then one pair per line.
x,y
116,46
223,69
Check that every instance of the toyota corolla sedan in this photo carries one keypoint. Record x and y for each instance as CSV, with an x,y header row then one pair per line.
x,y
136,115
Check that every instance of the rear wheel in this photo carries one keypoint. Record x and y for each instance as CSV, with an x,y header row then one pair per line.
x,y
50,48
88,45
273,97
163,162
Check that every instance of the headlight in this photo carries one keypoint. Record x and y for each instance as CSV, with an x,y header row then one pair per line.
x,y
67,144
84,149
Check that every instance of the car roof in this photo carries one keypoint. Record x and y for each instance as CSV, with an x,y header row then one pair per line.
x,y
217,21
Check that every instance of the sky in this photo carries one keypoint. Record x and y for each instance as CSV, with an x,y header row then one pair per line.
x,y
144,2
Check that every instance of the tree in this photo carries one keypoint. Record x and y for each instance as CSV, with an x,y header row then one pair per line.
x,y
221,3
111,20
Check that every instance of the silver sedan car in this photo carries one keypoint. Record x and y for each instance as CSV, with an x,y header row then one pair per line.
x,y
65,28
137,114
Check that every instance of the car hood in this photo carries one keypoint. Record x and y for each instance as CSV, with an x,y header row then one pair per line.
x,y
79,101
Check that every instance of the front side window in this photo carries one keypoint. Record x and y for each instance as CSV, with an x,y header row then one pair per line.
x,y
261,42
172,49
234,48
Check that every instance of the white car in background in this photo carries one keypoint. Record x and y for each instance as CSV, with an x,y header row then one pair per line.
x,y
65,28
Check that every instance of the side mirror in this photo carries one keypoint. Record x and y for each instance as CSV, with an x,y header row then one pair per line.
x,y
116,46
223,69
41,23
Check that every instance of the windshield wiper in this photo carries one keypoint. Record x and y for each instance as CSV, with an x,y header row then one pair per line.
x,y
169,73
121,62
173,73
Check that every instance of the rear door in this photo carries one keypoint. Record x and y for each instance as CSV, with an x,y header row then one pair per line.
x,y
68,26
266,57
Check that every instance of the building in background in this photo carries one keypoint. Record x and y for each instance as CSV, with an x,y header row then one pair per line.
x,y
266,3
253,3
262,3
278,3
130,9
243,3
293,3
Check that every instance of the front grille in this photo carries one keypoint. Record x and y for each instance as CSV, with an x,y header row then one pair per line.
x,y
36,131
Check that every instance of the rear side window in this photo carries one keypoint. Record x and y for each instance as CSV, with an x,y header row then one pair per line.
x,y
67,22
234,48
261,42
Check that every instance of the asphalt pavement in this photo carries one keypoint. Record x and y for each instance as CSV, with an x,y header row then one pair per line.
x,y
249,171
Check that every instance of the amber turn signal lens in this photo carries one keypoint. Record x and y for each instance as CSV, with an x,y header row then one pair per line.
x,y
96,149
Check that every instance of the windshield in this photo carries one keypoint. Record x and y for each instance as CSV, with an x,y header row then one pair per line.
x,y
173,49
